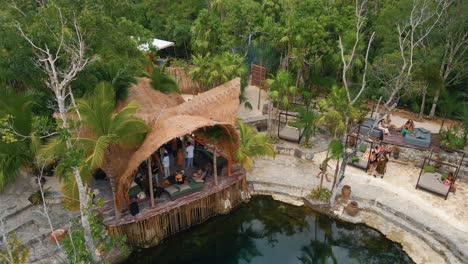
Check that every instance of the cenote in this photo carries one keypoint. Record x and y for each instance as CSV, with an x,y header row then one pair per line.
x,y
267,231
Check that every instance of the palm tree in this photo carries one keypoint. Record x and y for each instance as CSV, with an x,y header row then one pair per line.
x,y
121,77
15,121
162,82
252,145
306,120
121,128
335,109
211,71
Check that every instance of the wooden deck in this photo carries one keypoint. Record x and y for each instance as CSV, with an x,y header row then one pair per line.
x,y
170,216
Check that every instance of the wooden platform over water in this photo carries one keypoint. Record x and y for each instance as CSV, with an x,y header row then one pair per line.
x,y
170,216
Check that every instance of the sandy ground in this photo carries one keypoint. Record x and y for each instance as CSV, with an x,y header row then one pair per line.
x,y
252,92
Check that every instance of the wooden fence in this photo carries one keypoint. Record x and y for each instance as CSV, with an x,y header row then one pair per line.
x,y
151,231
183,80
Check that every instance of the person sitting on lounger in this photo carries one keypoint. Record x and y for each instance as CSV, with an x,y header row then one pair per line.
x,y
200,174
383,126
408,128
179,178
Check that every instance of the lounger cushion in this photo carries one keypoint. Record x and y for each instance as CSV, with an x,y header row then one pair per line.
x,y
184,187
171,189
290,133
432,182
422,138
198,180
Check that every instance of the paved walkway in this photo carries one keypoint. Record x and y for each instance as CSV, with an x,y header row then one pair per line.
x,y
28,222
442,224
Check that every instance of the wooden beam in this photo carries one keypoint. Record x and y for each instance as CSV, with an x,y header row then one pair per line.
x,y
215,168
150,175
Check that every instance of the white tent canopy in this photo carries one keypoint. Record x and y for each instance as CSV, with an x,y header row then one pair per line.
x,y
157,43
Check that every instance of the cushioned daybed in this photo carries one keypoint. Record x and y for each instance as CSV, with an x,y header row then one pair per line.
x,y
176,190
431,182
365,127
290,133
421,138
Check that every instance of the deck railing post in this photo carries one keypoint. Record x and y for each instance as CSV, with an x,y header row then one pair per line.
x,y
150,175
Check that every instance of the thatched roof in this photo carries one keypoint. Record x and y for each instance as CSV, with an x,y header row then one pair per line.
x,y
169,117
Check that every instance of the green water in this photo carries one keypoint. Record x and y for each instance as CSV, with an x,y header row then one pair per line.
x,y
267,231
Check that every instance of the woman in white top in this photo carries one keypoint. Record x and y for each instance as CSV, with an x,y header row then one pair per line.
x,y
189,151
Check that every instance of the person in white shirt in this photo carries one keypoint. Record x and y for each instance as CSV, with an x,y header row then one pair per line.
x,y
166,164
189,151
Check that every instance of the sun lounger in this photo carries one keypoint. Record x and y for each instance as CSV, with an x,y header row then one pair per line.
x,y
365,127
431,182
421,138
290,133
176,190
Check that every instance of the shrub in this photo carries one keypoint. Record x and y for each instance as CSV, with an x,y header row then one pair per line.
x,y
323,195
430,169
355,159
452,138
362,148
75,247
19,254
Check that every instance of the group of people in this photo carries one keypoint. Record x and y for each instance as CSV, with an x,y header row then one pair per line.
x,y
166,161
386,123
378,159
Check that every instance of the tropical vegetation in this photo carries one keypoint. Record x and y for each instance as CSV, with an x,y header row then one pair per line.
x,y
252,145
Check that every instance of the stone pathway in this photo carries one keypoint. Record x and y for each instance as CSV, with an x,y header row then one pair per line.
x,y
417,219
28,221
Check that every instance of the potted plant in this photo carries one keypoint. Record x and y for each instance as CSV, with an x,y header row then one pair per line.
x,y
355,159
396,152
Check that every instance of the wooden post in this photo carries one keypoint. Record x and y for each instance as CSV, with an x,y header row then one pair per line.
x,y
229,165
215,168
259,95
150,175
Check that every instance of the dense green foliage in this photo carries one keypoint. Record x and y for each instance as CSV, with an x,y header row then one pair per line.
x,y
162,82
252,144
18,143
296,40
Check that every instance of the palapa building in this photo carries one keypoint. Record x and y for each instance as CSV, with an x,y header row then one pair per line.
x,y
169,116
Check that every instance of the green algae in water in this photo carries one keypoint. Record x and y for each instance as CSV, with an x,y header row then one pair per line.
x,y
267,231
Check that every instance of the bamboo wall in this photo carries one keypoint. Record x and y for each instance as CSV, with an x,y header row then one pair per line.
x,y
184,82
151,231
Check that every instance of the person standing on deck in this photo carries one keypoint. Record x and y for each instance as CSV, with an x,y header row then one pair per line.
x,y
166,164
189,151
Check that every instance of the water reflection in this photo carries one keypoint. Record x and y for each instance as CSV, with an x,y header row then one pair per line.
x,y
266,231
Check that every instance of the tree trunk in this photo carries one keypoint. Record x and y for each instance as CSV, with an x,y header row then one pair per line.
x,y
111,176
344,160
423,103
89,242
215,168
335,174
434,103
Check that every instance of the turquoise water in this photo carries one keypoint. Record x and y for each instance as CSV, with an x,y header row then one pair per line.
x,y
267,231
